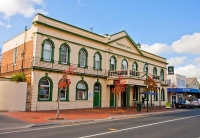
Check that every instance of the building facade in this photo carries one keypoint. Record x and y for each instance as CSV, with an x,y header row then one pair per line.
x,y
181,87
50,46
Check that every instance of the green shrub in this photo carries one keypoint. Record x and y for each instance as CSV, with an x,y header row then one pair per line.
x,y
20,77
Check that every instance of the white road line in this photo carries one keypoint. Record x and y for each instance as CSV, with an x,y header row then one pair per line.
x,y
138,127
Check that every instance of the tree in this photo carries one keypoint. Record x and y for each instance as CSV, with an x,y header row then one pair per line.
x,y
119,87
64,83
151,87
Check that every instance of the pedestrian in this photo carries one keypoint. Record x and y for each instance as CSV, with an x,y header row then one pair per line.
x,y
143,101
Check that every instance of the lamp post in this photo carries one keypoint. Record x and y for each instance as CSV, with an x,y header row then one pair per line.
x,y
147,93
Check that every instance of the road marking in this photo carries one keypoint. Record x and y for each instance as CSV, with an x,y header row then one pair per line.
x,y
112,129
138,126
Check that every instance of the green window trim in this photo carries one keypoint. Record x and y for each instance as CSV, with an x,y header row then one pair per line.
x,y
86,62
154,71
52,52
136,65
115,67
100,56
162,75
67,95
50,89
86,85
126,62
68,54
162,95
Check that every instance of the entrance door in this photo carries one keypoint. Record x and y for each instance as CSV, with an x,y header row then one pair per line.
x,y
97,95
123,99
173,99
112,100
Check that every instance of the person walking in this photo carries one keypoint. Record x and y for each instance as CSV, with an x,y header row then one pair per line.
x,y
143,99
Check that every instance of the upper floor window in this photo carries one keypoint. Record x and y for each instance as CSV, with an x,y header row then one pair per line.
x,y
15,56
47,50
64,54
97,61
124,65
145,69
83,58
134,66
162,75
113,63
154,71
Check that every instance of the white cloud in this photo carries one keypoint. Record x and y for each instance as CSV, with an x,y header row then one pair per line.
x,y
176,60
156,48
26,8
5,25
79,2
188,44
189,71
1,24
197,60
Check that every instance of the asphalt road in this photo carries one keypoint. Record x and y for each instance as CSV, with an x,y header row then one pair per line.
x,y
173,125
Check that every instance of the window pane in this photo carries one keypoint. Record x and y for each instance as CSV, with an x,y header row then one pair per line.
x,y
44,93
47,46
81,86
97,65
47,55
81,95
124,64
96,88
63,58
97,58
63,94
44,82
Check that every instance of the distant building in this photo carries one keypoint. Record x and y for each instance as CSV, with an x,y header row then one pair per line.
x,y
181,87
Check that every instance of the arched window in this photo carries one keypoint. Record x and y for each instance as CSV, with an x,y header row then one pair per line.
x,y
145,69
47,50
64,94
154,71
162,95
162,75
81,91
97,61
113,63
83,58
45,89
134,66
124,64
64,54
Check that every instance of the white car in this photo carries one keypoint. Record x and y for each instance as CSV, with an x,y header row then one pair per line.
x,y
196,102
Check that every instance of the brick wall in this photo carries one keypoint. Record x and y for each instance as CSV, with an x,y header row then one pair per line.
x,y
7,59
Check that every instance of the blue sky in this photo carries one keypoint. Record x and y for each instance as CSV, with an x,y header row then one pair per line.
x,y
169,28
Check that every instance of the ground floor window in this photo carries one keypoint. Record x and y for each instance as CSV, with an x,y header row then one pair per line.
x,y
81,91
64,94
135,93
45,89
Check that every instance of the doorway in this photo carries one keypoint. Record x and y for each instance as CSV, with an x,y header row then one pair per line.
x,y
123,99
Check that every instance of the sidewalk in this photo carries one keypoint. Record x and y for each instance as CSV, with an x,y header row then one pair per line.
x,y
80,115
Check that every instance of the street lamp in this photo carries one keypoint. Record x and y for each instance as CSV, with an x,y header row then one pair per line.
x,y
147,94
146,74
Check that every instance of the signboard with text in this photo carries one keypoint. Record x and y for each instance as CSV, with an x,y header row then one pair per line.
x,y
170,70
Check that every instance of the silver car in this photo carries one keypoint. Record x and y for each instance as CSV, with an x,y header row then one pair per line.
x,y
196,102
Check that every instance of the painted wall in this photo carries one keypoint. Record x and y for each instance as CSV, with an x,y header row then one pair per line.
x,y
12,96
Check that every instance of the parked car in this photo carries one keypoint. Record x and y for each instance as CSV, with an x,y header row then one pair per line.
x,y
184,104
196,102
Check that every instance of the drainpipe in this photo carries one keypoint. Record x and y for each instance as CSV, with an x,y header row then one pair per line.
x,y
23,50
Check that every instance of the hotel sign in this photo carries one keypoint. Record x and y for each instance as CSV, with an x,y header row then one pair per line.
x,y
170,70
